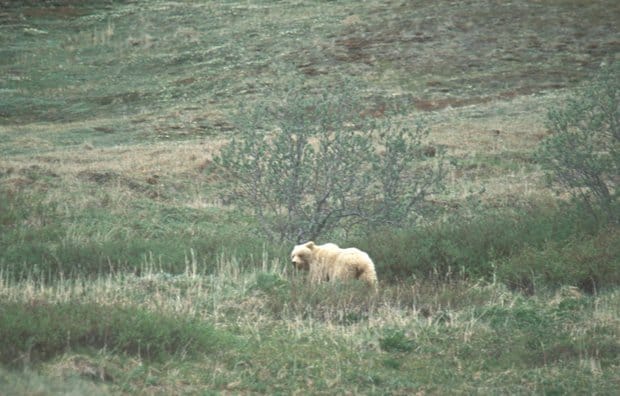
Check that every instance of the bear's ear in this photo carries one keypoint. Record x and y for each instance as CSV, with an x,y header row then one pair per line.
x,y
310,245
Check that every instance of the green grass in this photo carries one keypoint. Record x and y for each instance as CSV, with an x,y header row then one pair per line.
x,y
45,240
124,268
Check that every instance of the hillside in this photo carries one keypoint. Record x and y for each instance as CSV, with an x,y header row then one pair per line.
x,y
126,269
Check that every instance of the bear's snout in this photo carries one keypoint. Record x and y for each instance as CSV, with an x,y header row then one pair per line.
x,y
297,262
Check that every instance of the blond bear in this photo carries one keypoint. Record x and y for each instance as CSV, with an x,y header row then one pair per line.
x,y
329,262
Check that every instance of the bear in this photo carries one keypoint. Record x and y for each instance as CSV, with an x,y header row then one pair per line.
x,y
329,262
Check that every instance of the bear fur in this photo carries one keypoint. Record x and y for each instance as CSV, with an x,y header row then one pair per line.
x,y
329,262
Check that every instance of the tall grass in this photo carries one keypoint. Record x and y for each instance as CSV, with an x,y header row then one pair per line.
x,y
41,239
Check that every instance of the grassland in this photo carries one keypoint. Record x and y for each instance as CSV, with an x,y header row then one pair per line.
x,y
124,270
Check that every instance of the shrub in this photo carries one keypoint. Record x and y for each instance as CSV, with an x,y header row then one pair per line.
x,y
472,247
40,331
589,263
583,152
324,166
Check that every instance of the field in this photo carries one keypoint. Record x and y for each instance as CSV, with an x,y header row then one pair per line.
x,y
126,269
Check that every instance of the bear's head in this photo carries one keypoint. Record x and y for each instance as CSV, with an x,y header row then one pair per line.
x,y
301,256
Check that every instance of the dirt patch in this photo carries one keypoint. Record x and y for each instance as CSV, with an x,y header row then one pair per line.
x,y
54,12
111,178
442,103
150,186
125,98
35,172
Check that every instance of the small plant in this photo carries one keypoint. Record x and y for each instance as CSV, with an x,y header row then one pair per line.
x,y
322,165
583,153
266,281
395,340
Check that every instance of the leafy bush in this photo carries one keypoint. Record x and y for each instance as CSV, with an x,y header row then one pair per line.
x,y
324,166
583,153
40,331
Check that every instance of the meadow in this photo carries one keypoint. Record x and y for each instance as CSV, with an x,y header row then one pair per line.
x,y
125,268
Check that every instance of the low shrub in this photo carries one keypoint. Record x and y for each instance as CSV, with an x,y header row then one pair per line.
x,y
39,331
470,247
589,263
